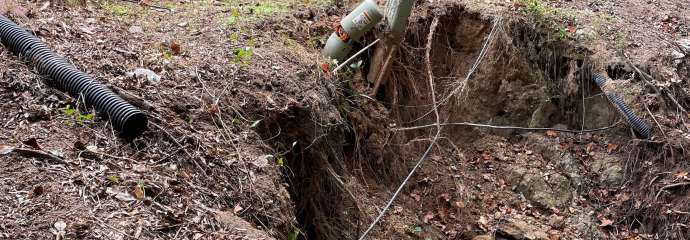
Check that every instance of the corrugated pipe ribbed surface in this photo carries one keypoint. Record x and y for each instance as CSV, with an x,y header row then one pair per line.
x,y
641,129
126,119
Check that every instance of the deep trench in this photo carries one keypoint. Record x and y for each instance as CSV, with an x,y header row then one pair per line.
x,y
530,77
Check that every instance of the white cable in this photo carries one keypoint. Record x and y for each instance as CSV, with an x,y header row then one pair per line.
x,y
354,56
432,30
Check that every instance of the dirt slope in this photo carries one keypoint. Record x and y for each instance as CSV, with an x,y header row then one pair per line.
x,y
251,139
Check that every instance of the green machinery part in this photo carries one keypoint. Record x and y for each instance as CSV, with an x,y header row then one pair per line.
x,y
351,28
397,13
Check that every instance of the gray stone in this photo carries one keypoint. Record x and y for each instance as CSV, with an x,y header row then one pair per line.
x,y
609,169
550,184
521,230
677,55
143,72
135,29
562,160
585,34
545,188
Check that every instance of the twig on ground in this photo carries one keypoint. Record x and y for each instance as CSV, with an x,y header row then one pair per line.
x,y
430,37
132,98
682,49
102,154
38,154
148,5
105,225
654,118
172,138
669,187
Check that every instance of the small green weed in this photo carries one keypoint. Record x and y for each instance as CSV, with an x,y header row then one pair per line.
x,y
280,160
234,17
243,55
267,8
294,235
113,179
414,229
562,33
75,114
234,36
117,9
536,8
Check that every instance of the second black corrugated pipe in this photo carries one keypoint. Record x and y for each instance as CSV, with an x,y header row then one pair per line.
x,y
642,130
126,119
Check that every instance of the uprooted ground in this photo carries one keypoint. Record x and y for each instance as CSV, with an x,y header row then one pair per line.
x,y
249,138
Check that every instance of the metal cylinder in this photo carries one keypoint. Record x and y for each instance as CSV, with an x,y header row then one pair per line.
x,y
126,119
397,14
362,19
351,28
641,129
336,48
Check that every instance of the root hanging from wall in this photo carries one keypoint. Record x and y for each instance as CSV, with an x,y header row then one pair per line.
x,y
313,164
529,77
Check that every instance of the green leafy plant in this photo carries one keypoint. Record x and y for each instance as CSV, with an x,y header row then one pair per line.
x,y
69,111
294,235
234,17
234,36
112,179
535,7
243,55
116,9
280,160
414,229
75,114
267,8
562,33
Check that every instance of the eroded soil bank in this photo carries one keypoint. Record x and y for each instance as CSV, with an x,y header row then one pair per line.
x,y
479,182
264,144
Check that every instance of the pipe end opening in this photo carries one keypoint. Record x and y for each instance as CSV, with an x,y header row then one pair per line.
x,y
134,125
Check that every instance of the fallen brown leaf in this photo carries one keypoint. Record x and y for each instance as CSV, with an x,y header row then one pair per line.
x,y
138,192
4,149
428,216
551,133
606,222
611,147
237,208
176,48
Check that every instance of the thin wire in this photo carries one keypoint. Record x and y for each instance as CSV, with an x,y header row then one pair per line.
x,y
432,30
354,56
508,127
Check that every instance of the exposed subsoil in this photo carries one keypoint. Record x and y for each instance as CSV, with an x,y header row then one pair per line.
x,y
270,146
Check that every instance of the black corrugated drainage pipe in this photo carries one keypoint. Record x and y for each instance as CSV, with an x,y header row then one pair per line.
x,y
126,119
642,130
